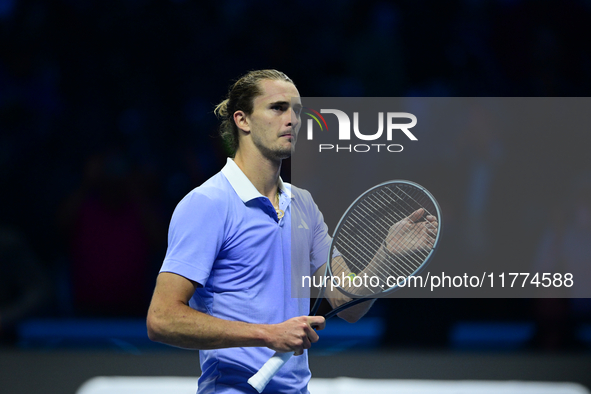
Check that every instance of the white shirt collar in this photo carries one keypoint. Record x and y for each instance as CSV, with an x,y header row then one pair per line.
x,y
243,186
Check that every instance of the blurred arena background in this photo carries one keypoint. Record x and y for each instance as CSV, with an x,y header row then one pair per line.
x,y
106,122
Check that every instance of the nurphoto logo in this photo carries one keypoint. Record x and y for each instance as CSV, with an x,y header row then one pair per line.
x,y
344,130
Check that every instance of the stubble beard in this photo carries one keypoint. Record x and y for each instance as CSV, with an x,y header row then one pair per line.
x,y
275,154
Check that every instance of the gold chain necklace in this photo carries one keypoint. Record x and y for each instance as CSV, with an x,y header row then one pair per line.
x,y
280,212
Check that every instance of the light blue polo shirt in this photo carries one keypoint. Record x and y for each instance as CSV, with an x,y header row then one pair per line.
x,y
226,236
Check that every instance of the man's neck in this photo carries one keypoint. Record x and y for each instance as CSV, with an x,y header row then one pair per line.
x,y
262,172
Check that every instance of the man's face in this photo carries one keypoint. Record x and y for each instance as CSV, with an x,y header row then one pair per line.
x,y
275,119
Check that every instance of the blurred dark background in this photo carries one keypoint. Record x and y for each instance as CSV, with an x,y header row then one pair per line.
x,y
106,122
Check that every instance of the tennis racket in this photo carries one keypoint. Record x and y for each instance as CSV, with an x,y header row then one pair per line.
x,y
387,235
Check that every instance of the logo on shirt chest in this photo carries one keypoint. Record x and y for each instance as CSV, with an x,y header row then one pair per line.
x,y
303,225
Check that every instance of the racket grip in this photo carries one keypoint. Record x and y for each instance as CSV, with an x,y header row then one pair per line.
x,y
260,379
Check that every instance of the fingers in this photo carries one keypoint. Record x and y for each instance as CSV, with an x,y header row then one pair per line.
x,y
306,344
416,232
431,226
416,215
317,322
309,335
314,323
296,334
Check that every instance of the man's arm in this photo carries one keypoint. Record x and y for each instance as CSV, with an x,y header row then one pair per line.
x,y
406,236
172,321
337,298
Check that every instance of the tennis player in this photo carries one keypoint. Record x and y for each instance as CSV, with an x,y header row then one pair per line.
x,y
225,284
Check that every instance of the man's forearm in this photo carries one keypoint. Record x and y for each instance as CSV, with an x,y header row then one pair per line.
x,y
172,321
336,298
182,326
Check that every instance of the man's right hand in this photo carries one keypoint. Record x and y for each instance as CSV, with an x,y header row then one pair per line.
x,y
295,334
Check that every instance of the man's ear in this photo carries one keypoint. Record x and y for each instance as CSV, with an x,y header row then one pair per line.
x,y
241,121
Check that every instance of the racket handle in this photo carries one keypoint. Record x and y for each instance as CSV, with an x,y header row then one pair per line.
x,y
260,379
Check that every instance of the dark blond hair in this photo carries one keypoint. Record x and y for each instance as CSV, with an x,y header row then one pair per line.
x,y
240,98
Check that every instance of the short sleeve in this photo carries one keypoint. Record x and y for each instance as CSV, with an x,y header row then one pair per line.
x,y
195,237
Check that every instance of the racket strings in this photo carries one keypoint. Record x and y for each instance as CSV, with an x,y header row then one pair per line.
x,y
357,254
402,265
375,237
372,239
360,266
426,202
381,236
399,218
358,257
374,270
409,242
416,242
368,225
412,241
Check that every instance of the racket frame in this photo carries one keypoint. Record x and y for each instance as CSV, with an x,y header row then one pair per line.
x,y
356,298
